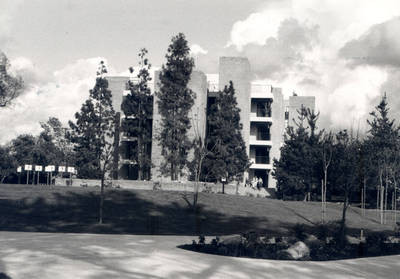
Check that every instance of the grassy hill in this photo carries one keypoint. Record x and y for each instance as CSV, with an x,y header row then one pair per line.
x,y
67,209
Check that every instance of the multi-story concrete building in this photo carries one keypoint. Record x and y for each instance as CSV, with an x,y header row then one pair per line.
x,y
263,112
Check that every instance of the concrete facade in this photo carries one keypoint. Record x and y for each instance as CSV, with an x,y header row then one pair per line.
x,y
263,112
198,84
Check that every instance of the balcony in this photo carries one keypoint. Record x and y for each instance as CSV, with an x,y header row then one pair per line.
x,y
255,118
260,111
261,159
253,140
261,91
213,86
126,137
260,162
260,134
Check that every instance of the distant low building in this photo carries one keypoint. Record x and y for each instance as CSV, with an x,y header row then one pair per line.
x,y
264,115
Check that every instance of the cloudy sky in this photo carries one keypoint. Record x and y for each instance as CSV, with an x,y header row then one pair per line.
x,y
346,53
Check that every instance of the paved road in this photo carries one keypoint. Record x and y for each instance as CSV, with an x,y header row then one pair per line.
x,y
57,256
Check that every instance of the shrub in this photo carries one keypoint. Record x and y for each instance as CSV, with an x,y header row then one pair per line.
x,y
299,230
322,231
202,240
157,185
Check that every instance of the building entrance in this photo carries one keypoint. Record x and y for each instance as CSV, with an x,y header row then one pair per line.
x,y
263,174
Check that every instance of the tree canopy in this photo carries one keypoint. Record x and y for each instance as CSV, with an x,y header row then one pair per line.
x,y
10,86
227,157
175,100
138,110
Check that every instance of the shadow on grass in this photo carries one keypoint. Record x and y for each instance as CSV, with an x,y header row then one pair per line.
x,y
124,213
63,209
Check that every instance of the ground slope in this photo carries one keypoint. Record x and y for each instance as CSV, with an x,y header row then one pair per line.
x,y
67,209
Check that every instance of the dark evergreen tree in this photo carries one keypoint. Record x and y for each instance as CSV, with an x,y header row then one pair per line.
x,y
298,172
138,110
346,158
382,143
290,171
227,156
314,147
7,163
93,133
94,128
175,100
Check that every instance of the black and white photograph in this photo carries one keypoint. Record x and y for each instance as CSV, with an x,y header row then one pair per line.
x,y
199,139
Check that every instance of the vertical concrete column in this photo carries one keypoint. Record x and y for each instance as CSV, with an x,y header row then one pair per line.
x,y
197,115
117,85
237,70
277,130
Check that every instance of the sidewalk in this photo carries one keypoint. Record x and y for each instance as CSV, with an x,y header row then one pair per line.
x,y
55,255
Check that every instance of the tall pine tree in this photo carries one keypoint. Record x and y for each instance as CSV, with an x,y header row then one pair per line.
x,y
138,110
94,127
298,171
93,133
290,171
175,100
382,142
227,156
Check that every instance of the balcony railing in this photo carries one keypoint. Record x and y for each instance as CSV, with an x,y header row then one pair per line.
x,y
263,112
262,159
263,136
213,86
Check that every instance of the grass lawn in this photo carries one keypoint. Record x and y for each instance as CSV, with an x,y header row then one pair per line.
x,y
67,209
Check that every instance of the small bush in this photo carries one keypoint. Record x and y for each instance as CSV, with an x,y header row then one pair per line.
x,y
322,231
156,185
299,231
202,240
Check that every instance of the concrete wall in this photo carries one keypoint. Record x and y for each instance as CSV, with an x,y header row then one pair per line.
x,y
230,189
237,70
198,84
117,86
277,129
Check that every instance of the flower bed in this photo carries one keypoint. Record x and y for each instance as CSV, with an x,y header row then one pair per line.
x,y
321,245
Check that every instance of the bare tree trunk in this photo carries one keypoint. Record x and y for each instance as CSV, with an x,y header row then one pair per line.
x,y
381,202
386,195
322,202
378,189
395,204
392,207
101,197
362,201
364,195
343,221
140,156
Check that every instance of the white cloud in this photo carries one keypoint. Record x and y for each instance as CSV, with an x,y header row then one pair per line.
x,y
7,8
313,67
60,98
196,49
380,45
